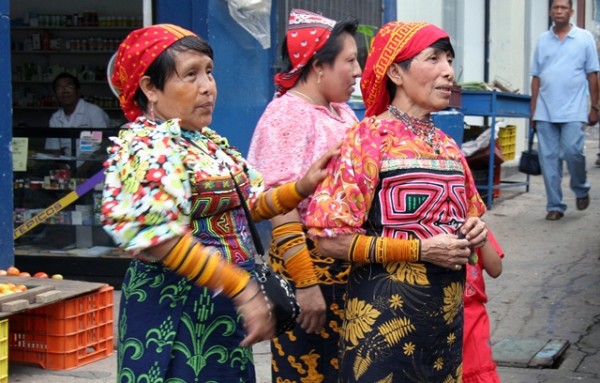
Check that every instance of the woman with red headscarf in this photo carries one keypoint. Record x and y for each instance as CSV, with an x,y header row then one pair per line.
x,y
308,115
173,197
393,204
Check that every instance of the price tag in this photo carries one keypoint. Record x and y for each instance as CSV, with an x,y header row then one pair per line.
x,y
19,153
89,142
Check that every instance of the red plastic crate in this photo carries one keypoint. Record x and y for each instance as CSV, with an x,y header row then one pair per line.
x,y
66,334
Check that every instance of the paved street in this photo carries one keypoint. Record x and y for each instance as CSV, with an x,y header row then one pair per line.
x,y
549,289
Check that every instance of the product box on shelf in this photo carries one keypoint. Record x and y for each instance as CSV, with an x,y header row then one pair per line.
x,y
64,335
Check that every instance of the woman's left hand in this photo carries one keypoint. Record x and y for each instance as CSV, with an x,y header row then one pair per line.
x,y
475,231
317,172
256,312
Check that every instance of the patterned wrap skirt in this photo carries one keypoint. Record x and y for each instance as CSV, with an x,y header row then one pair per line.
x,y
403,324
171,330
299,357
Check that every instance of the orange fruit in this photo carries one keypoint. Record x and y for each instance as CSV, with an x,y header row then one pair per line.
x,y
19,288
12,271
40,274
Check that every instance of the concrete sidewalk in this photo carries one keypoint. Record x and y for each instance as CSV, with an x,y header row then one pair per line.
x,y
549,290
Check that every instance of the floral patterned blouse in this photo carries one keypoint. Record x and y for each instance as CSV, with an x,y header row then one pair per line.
x,y
162,181
374,148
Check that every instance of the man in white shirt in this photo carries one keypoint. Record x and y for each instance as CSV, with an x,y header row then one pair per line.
x,y
74,112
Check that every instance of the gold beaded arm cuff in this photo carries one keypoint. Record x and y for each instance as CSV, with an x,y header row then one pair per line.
x,y
368,249
289,239
204,267
276,201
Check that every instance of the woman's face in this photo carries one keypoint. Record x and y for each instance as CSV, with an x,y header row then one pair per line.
x,y
338,80
190,93
427,84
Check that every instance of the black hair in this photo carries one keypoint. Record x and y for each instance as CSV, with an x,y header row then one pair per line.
x,y
443,45
164,66
328,53
66,75
570,3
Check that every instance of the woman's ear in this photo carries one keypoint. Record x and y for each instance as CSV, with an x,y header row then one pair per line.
x,y
149,89
395,74
317,67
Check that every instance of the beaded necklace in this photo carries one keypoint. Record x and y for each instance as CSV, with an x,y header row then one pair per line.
x,y
423,129
191,135
309,99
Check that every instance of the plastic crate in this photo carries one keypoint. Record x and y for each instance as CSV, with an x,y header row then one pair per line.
x,y
507,139
4,351
508,151
66,334
507,131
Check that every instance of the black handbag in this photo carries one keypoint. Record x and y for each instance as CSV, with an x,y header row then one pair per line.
x,y
530,162
279,291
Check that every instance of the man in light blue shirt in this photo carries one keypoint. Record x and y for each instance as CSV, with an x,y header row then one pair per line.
x,y
564,73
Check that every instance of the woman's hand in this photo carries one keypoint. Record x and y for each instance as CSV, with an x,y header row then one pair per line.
x,y
312,309
317,172
256,313
446,250
475,231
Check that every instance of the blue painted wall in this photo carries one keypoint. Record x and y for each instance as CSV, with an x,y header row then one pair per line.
x,y
6,194
242,66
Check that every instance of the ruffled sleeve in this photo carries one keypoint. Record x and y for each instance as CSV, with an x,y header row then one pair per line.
x,y
342,201
147,193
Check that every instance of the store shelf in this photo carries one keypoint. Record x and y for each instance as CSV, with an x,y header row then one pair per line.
x,y
74,29
63,53
54,108
49,82
42,52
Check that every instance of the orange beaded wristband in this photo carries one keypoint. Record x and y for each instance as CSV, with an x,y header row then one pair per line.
x,y
289,239
368,249
195,262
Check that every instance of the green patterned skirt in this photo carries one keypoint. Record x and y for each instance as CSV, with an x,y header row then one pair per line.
x,y
173,331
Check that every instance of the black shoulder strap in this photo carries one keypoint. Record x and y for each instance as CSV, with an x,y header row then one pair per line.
x,y
251,225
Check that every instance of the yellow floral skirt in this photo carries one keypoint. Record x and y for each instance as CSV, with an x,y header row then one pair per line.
x,y
299,357
403,324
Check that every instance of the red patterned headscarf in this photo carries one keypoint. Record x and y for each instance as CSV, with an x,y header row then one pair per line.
x,y
395,42
136,53
307,33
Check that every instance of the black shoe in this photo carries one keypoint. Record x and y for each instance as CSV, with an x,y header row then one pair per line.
x,y
583,202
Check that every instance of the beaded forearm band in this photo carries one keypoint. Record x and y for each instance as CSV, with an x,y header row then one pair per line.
x,y
289,239
194,261
368,249
279,200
